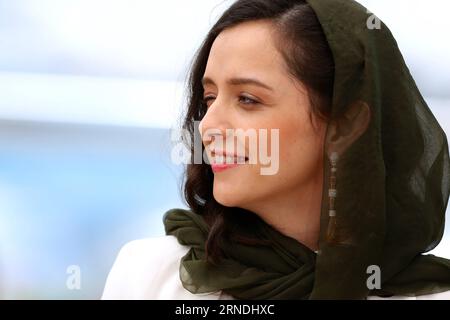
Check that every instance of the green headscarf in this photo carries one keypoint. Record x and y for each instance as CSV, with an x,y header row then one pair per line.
x,y
393,187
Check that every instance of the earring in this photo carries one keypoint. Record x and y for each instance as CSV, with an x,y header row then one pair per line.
x,y
332,194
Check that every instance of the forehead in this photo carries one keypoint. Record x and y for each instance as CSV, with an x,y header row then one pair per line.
x,y
247,48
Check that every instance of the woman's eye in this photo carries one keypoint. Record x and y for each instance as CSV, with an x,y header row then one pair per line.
x,y
247,100
207,99
243,99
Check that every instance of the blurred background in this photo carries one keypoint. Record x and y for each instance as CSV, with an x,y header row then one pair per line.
x,y
89,93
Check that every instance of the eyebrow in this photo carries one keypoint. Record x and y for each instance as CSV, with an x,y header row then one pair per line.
x,y
239,81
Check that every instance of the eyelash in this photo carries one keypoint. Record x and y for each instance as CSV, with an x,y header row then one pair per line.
x,y
253,101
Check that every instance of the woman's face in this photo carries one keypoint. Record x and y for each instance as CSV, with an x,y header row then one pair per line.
x,y
247,51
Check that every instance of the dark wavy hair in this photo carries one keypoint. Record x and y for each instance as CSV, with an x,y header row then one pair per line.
x,y
302,44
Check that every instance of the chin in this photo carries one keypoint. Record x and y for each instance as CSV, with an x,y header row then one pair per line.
x,y
229,198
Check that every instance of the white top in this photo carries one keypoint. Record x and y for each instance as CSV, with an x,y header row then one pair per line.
x,y
149,269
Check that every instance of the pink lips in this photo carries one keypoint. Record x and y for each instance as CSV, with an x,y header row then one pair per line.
x,y
218,167
222,167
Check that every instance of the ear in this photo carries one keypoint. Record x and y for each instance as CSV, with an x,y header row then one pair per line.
x,y
346,129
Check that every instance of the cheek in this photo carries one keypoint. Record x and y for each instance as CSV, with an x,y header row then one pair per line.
x,y
300,149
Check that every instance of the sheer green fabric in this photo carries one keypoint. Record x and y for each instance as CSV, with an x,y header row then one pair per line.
x,y
393,186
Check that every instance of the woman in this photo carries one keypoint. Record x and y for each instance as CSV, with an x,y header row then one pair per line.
x,y
356,185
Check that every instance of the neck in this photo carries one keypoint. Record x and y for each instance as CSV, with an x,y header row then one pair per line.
x,y
296,214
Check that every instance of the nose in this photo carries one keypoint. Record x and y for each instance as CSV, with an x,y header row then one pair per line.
x,y
215,123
